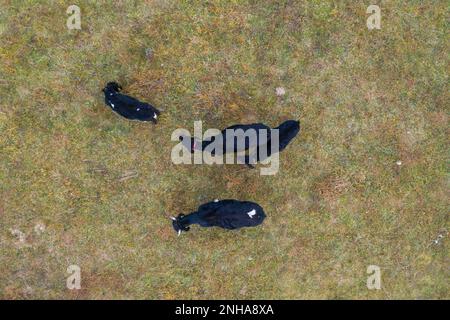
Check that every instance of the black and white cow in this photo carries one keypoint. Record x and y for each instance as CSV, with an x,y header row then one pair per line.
x,y
227,214
128,107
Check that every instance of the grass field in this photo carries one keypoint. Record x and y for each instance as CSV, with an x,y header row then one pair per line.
x,y
79,185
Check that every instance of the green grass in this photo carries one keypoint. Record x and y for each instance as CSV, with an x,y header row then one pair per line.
x,y
366,99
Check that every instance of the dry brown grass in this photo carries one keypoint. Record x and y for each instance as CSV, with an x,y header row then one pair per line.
x,y
104,187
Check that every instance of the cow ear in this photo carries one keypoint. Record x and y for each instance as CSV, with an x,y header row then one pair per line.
x,y
179,232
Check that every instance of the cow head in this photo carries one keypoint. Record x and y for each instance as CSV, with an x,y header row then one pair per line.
x,y
191,143
178,225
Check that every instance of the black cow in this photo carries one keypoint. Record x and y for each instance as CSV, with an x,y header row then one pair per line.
x,y
128,107
227,214
287,131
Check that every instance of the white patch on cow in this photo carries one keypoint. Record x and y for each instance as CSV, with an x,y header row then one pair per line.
x,y
155,116
251,213
216,200
110,94
138,109
179,232
112,105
